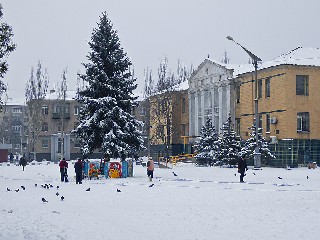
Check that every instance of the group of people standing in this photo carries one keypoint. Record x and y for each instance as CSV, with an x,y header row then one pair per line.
x,y
78,166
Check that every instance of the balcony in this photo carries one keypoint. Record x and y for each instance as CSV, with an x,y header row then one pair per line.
x,y
60,115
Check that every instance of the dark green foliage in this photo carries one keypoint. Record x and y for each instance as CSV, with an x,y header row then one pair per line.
x,y
230,147
250,145
6,47
207,144
107,100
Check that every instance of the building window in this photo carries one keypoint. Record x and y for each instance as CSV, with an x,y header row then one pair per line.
x,y
260,88
260,121
238,94
45,143
16,146
16,110
45,110
76,110
268,123
16,128
303,122
142,111
77,143
44,127
184,130
59,127
237,123
57,109
199,103
75,125
267,85
302,85
183,107
200,125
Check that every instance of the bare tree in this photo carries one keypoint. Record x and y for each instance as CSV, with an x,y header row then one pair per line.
x,y
65,108
161,102
35,93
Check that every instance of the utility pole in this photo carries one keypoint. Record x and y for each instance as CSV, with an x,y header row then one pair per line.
x,y
257,154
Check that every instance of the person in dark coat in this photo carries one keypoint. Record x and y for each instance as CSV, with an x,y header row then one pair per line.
x,y
23,162
78,170
63,170
242,167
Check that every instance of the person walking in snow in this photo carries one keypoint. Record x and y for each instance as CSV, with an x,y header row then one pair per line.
x,y
63,170
23,162
242,167
78,170
150,168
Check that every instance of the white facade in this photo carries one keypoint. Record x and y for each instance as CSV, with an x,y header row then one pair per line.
x,y
210,89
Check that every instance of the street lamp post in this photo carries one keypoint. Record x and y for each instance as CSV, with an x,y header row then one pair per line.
x,y
257,154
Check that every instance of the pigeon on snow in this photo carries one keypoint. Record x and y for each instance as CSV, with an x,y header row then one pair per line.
x,y
118,190
88,189
174,174
44,200
62,198
151,185
23,187
280,177
57,194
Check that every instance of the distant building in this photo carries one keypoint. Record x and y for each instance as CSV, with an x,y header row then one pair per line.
x,y
142,113
13,128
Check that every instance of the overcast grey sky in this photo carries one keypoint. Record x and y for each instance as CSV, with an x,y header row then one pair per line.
x,y
56,32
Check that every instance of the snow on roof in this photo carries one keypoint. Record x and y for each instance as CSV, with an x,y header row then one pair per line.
x,y
301,56
53,94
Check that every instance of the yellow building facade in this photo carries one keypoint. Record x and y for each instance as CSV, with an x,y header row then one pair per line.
x,y
289,110
169,122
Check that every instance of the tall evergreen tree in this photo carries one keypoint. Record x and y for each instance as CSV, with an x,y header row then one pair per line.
x,y
230,147
6,47
105,120
249,147
208,144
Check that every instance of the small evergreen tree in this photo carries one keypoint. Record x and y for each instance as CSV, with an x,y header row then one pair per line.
x,y
107,100
249,147
207,144
230,146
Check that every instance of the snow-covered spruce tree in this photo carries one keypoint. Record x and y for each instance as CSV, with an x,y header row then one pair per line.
x,y
230,146
249,147
105,120
6,47
207,145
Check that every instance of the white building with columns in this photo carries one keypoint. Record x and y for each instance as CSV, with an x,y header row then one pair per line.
x,y
212,94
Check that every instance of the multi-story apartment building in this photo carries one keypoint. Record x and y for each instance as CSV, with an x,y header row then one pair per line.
x,y
50,134
169,123
288,105
13,128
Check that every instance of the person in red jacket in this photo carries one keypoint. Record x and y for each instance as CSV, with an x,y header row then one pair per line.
x,y
150,168
63,170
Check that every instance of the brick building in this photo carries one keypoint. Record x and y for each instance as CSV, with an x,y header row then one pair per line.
x,y
289,110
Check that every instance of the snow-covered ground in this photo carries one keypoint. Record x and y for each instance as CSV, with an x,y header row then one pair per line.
x,y
199,203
